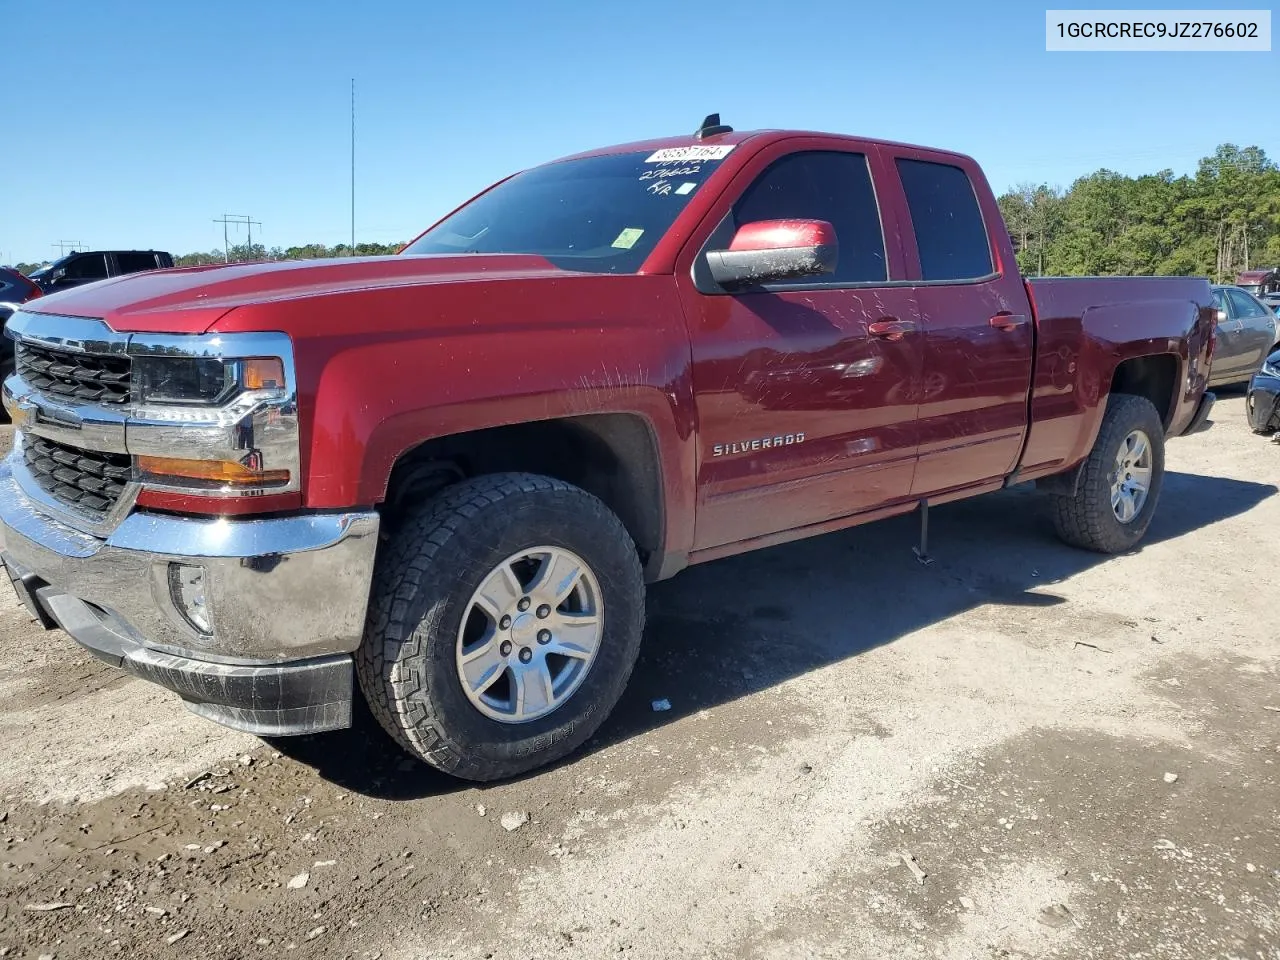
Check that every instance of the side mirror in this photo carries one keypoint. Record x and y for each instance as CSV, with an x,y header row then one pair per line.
x,y
1220,317
767,251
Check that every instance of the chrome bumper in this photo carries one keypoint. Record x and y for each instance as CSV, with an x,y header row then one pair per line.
x,y
285,599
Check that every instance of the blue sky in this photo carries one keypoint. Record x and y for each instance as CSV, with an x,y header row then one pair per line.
x,y
145,120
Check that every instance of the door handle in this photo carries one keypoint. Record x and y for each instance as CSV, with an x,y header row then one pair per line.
x,y
890,329
1007,321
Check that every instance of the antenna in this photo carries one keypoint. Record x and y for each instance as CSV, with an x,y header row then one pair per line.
x,y
711,127
353,166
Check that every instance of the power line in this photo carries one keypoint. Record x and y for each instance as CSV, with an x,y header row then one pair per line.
x,y
240,219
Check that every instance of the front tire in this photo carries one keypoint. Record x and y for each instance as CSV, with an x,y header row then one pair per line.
x,y
505,620
1119,483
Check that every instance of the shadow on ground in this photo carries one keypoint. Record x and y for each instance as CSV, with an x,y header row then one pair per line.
x,y
728,629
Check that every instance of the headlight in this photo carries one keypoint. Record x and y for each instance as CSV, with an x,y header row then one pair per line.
x,y
203,380
214,414
1271,366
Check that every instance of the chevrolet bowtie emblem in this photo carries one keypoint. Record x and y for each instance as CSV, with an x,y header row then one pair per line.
x,y
22,412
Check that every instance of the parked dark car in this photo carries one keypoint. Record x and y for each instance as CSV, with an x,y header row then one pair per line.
x,y
1247,331
76,269
1262,405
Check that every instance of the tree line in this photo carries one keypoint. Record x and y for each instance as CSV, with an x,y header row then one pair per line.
x,y
243,253
1221,220
309,251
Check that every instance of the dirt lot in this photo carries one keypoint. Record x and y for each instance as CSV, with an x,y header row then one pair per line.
x,y
1081,755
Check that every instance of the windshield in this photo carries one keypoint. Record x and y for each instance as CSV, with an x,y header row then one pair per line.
x,y
598,214
1254,288
43,271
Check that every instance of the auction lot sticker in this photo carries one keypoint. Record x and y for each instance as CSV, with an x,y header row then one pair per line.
x,y
671,154
1131,31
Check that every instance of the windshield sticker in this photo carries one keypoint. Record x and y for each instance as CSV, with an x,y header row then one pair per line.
x,y
670,154
666,173
685,188
627,238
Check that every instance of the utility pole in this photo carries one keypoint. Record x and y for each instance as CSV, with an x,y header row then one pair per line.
x,y
353,166
239,219
65,246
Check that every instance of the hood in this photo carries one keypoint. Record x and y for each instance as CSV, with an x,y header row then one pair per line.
x,y
191,299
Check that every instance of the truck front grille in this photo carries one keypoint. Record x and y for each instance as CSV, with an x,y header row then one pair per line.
x,y
86,481
77,377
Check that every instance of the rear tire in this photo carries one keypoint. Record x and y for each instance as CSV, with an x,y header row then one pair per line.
x,y
429,616
1092,519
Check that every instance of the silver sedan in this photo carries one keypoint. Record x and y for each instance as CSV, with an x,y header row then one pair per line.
x,y
1247,332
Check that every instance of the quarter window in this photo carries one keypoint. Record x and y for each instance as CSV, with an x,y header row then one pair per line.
x,y
950,235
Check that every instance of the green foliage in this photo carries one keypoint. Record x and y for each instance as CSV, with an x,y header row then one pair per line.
x,y
1215,224
311,251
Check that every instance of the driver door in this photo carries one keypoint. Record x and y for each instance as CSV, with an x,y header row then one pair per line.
x,y
806,390
81,270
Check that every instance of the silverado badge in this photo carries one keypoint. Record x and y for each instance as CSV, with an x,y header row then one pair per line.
x,y
760,443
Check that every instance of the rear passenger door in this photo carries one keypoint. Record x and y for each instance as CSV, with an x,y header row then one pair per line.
x,y
976,321
1257,329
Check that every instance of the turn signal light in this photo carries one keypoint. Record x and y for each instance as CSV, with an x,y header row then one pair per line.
x,y
227,472
262,373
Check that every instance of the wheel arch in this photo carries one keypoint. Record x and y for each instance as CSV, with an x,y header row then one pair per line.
x,y
1155,377
613,456
1151,376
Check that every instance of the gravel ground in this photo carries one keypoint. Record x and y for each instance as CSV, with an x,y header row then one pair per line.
x,y
1019,751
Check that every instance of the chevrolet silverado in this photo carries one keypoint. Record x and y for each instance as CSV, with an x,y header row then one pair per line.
x,y
441,480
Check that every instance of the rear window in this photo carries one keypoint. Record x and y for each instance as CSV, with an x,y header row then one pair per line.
x,y
135,262
597,214
950,234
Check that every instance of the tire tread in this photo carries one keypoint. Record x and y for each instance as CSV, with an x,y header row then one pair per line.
x,y
388,661
1086,519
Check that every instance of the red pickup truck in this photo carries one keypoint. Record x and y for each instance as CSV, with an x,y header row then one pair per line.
x,y
448,474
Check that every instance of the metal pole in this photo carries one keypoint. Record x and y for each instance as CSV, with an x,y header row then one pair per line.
x,y
353,166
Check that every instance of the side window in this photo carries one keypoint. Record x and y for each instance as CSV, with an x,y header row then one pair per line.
x,y
1245,306
134,262
90,267
1220,301
823,185
950,234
